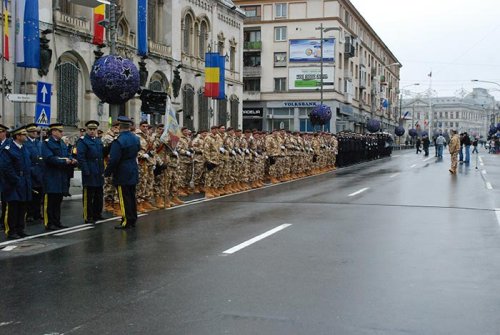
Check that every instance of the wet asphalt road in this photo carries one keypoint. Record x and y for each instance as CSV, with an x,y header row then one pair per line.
x,y
396,246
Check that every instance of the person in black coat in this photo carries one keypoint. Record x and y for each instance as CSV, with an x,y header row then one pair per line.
x,y
122,165
91,161
4,140
58,165
34,147
425,144
15,164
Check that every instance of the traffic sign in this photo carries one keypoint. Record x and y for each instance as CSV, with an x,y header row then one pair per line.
x,y
21,97
43,93
42,115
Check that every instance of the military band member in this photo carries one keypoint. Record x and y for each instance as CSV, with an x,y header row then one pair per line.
x,y
91,161
58,167
34,147
123,167
15,163
4,140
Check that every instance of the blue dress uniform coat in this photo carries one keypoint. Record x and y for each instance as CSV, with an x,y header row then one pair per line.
x,y
122,162
91,161
123,166
34,148
2,146
55,178
15,163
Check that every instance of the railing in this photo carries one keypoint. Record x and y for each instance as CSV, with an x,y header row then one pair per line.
x,y
79,24
161,49
252,71
254,45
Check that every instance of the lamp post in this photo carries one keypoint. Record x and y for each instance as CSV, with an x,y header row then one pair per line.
x,y
323,30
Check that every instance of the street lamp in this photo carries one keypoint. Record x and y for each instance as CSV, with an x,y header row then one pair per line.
x,y
323,30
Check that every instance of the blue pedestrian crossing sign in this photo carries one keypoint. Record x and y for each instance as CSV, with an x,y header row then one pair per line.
x,y
42,108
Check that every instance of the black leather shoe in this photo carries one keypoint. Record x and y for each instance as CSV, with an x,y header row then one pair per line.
x,y
60,226
123,227
13,237
23,234
51,227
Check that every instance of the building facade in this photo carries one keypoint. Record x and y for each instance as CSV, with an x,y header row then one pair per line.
x,y
287,69
179,34
472,113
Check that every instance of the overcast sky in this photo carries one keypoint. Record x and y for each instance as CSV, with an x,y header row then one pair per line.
x,y
457,40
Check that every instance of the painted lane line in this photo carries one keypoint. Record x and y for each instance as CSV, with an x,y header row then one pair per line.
x,y
73,231
9,248
256,239
425,160
44,234
396,155
481,160
497,212
489,186
411,167
483,171
394,175
358,192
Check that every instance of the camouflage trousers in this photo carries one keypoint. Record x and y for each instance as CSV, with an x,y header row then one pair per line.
x,y
110,193
199,173
144,190
211,177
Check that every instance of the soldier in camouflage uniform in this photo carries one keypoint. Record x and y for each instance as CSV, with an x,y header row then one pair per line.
x,y
212,155
160,191
199,161
111,203
185,163
147,164
273,151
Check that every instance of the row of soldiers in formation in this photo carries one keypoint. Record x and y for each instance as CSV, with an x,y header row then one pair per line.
x,y
216,162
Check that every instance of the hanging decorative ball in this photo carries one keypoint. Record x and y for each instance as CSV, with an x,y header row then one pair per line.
x,y
373,125
493,129
321,114
399,131
498,126
114,79
412,132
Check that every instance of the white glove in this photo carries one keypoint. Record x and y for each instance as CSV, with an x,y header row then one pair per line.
x,y
247,151
233,152
146,156
283,147
175,153
189,154
222,150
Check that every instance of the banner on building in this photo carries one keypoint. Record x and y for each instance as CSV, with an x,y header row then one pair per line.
x,y
309,78
99,15
27,34
214,75
310,50
142,27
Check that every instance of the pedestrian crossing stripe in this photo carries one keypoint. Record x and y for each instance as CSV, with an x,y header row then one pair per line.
x,y
42,119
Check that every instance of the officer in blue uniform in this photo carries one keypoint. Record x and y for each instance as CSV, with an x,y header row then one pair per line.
x,y
4,140
34,147
122,165
58,166
15,163
91,161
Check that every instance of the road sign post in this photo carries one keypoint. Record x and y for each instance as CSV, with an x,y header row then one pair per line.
x,y
42,108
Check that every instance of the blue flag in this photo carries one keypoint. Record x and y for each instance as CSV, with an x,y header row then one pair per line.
x,y
28,36
142,27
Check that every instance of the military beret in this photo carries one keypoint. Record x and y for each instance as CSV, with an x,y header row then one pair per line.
x,y
115,124
161,125
124,120
19,131
143,123
92,124
238,130
184,128
32,127
214,127
56,126
229,129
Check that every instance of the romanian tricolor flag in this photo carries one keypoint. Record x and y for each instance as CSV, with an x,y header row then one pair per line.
x,y
214,75
6,55
99,15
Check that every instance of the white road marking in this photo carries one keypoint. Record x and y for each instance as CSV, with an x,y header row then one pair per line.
x,y
425,160
358,192
411,167
489,186
481,161
497,212
396,155
256,239
73,231
483,171
394,175
9,248
44,234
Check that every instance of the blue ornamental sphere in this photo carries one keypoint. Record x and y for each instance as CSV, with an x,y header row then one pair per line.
x,y
321,114
114,79
373,125
498,126
412,132
493,129
399,131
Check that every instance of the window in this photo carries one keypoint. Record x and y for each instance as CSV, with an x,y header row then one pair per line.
x,y
279,59
458,115
234,106
251,84
188,26
251,59
152,12
188,106
203,111
280,10
280,33
251,11
222,109
279,84
252,36
232,58
203,39
67,89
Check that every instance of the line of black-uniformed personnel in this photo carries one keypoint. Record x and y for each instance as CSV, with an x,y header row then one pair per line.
x,y
130,170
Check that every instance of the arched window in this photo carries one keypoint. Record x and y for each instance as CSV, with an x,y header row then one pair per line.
x,y
158,83
222,111
203,111
152,14
188,106
188,27
234,105
68,75
203,39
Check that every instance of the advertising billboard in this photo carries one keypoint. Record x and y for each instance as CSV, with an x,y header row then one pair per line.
x,y
310,50
309,78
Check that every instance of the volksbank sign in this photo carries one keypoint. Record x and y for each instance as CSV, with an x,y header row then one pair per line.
x,y
300,103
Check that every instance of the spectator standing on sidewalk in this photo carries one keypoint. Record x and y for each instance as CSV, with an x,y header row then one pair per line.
x,y
426,143
440,140
417,145
474,145
454,148
467,143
